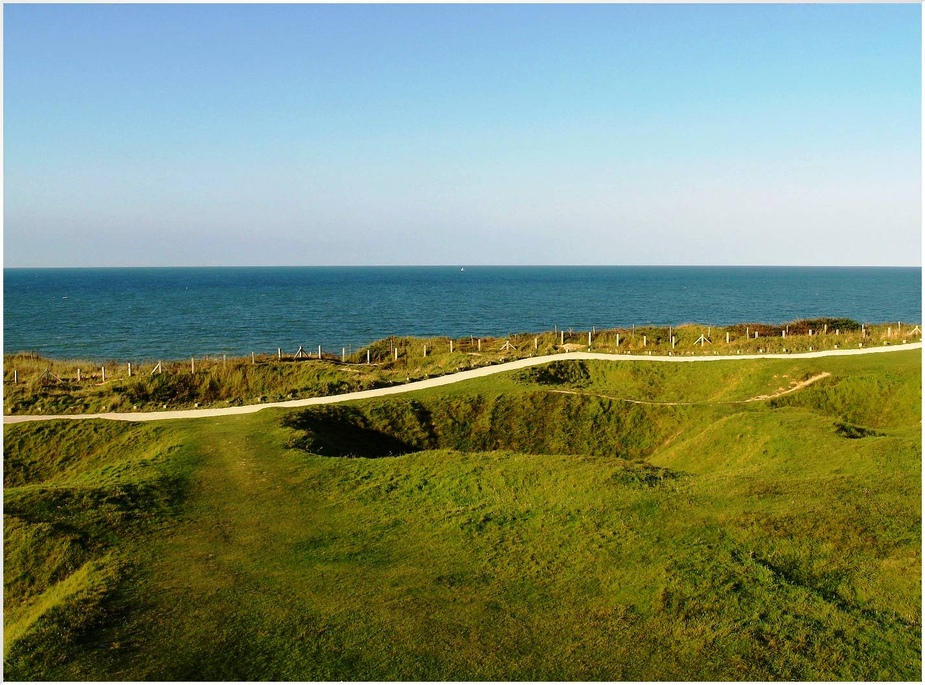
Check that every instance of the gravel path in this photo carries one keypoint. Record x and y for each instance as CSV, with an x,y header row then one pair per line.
x,y
443,380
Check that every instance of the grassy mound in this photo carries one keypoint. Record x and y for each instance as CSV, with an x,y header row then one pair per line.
x,y
574,522
74,495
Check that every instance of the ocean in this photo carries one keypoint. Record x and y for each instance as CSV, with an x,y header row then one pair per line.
x,y
173,313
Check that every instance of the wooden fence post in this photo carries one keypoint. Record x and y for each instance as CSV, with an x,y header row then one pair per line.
x,y
367,356
16,375
727,337
192,364
480,344
343,354
253,360
618,340
130,369
279,353
78,375
425,349
644,340
103,371
396,354
451,347
319,351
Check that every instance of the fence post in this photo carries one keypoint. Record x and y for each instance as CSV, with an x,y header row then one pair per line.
x,y
451,347
727,337
103,370
644,340
319,351
192,364
78,376
618,340
130,369
279,353
367,356
343,354
16,375
425,349
253,360
480,344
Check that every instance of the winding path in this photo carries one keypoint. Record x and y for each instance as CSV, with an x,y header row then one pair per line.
x,y
442,380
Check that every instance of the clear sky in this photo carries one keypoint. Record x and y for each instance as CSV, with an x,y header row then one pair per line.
x,y
483,134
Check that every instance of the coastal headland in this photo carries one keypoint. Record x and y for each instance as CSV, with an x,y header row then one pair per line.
x,y
217,385
565,515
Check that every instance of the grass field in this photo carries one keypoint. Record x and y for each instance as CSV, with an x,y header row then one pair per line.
x,y
582,520
35,385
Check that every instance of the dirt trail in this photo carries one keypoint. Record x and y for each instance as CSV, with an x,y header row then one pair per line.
x,y
445,380
758,398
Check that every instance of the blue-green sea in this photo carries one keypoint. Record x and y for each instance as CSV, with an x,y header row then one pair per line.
x,y
170,313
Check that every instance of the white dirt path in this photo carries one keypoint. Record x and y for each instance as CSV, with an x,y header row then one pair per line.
x,y
444,380
759,398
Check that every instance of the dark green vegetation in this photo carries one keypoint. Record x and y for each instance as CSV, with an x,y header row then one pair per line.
x,y
536,525
45,386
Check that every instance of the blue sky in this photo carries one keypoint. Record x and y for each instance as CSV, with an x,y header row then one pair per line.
x,y
482,134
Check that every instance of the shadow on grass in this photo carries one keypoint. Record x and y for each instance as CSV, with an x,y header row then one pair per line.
x,y
343,432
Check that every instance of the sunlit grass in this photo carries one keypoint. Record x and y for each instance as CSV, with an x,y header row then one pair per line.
x,y
523,533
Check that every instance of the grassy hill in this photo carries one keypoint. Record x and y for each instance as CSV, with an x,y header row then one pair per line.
x,y
36,385
582,520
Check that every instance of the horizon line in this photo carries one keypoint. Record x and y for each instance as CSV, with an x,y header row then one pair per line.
x,y
463,265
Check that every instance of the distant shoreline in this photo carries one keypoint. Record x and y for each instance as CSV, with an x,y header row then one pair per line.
x,y
772,330
152,313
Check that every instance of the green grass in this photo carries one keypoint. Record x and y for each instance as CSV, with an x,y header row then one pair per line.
x,y
515,532
34,385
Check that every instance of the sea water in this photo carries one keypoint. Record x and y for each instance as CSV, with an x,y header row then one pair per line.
x,y
172,313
